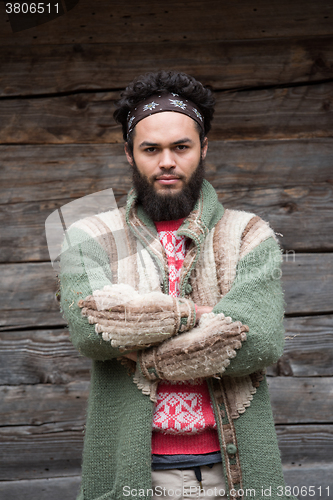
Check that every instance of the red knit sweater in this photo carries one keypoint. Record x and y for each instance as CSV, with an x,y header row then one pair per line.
x,y
183,421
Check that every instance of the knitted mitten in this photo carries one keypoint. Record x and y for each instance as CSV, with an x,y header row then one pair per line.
x,y
130,320
204,351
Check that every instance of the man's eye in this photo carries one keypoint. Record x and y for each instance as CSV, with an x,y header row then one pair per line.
x,y
150,150
181,147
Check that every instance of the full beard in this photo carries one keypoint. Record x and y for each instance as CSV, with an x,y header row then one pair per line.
x,y
162,207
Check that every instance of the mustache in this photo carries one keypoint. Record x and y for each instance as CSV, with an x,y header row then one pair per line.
x,y
167,174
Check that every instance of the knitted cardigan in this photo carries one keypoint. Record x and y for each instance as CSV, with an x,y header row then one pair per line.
x,y
233,264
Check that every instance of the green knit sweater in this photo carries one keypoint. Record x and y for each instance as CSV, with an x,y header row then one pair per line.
x,y
239,262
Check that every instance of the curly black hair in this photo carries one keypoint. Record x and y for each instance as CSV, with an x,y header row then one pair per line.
x,y
164,81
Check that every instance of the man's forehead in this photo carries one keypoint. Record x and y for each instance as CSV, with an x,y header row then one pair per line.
x,y
168,126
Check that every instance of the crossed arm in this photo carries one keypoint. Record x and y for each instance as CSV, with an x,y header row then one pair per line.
x,y
200,310
146,323
242,334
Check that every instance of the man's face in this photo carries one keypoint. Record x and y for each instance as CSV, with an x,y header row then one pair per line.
x,y
167,163
167,150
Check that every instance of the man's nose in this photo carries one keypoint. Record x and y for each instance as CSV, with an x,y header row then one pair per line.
x,y
167,159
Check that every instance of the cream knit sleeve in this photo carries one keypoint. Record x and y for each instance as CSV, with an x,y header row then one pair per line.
x,y
106,319
129,320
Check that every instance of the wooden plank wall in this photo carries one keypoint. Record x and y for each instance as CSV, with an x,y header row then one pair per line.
x,y
271,65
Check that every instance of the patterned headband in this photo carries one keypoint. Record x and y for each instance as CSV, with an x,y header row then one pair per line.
x,y
164,102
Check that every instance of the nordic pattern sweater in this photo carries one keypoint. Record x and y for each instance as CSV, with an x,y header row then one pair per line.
x,y
233,264
183,420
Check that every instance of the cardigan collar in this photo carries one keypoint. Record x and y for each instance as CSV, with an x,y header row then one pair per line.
x,y
205,215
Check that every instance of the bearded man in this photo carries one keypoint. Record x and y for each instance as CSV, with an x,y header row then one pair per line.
x,y
181,315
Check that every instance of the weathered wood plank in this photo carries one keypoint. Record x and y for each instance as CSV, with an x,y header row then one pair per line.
x,y
40,451
23,231
304,445
32,69
297,112
320,477
194,20
301,400
269,164
29,295
28,291
303,215
40,357
43,404
308,349
306,281
54,172
48,356
300,214
65,488
47,173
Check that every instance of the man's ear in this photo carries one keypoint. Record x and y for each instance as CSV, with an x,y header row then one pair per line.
x,y
204,148
128,154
